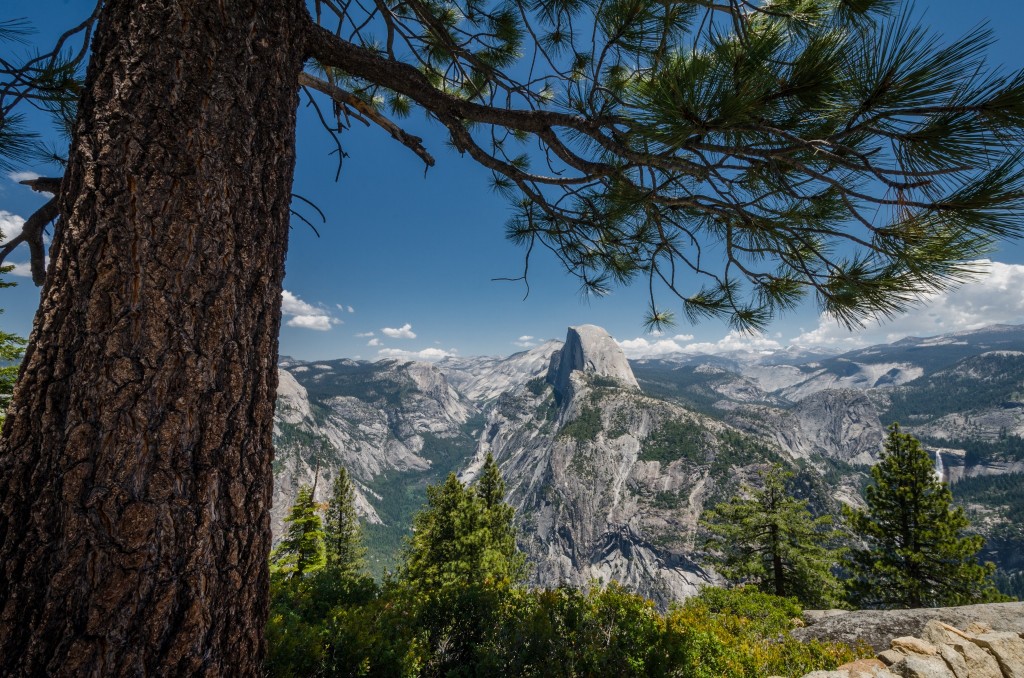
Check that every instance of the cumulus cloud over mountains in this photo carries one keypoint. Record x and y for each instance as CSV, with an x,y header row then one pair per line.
x,y
996,296
403,332
304,315
427,354
525,341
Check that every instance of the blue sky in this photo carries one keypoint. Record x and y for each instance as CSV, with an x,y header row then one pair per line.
x,y
404,264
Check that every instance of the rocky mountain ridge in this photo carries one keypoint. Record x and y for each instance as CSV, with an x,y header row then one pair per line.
x,y
610,463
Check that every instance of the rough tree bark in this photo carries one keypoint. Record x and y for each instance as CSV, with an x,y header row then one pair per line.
x,y
135,466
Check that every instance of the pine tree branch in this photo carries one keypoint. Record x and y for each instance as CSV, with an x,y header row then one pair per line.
x,y
32,229
348,99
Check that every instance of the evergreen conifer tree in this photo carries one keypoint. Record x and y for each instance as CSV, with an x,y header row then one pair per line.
x,y
342,533
465,535
772,541
915,552
461,562
490,489
302,549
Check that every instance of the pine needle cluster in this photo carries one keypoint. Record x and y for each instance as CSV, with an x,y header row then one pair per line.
x,y
743,155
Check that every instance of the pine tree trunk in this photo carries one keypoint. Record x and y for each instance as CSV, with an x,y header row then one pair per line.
x,y
778,573
135,466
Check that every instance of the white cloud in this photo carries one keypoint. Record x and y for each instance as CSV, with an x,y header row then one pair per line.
x,y
525,341
310,322
363,335
373,342
305,315
23,269
22,176
736,341
997,296
428,354
403,332
292,305
350,309
10,225
733,341
645,348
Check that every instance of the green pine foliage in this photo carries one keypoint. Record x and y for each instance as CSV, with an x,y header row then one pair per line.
x,y
302,549
319,624
12,348
460,565
552,633
464,537
342,534
915,551
769,539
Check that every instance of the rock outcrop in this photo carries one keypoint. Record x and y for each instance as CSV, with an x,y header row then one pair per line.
x,y
878,627
591,350
941,650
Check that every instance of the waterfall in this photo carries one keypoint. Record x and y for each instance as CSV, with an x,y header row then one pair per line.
x,y
940,472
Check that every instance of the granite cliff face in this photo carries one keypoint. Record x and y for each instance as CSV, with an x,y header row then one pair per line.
x,y
609,484
840,425
588,349
482,379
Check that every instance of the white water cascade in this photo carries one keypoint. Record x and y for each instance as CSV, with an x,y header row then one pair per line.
x,y
940,471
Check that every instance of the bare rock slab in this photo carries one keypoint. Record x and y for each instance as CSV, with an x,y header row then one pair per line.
x,y
1008,649
878,627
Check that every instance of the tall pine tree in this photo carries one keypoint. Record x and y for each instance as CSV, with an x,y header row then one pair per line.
x,y
770,539
915,551
461,563
342,534
302,549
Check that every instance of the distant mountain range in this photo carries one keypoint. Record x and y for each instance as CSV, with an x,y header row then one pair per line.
x,y
610,463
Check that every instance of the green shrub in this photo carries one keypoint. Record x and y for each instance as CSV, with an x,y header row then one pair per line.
x,y
743,632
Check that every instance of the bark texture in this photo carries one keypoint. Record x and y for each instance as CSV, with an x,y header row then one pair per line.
x,y
135,465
